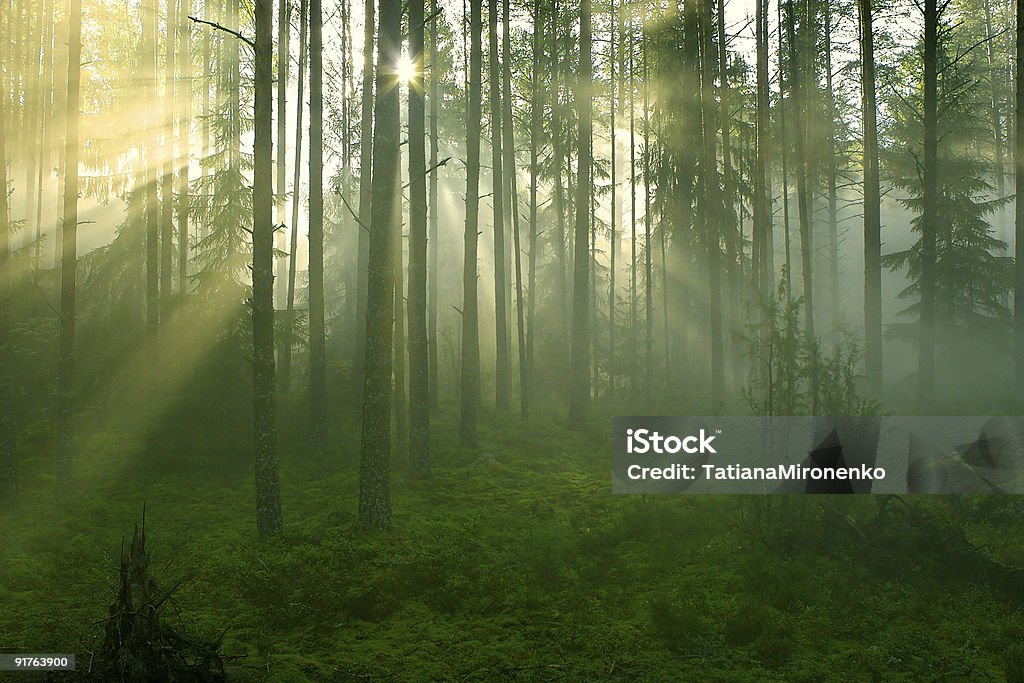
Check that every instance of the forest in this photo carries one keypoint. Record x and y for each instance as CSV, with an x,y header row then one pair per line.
x,y
378,275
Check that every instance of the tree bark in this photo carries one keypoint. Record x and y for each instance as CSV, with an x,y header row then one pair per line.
x,y
148,67
167,179
711,201
761,251
419,370
281,189
872,210
502,363
536,114
433,244
317,334
1018,296
509,154
580,378
470,376
365,179
268,491
8,433
375,461
929,222
293,248
184,125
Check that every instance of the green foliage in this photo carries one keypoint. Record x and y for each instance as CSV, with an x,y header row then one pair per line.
x,y
793,374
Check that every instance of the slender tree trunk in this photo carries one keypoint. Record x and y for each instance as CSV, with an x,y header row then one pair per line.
x,y
8,431
648,251
400,397
69,253
268,490
712,200
167,179
375,463
46,124
614,21
762,247
293,248
317,334
502,364
562,283
470,380
1018,296
800,95
872,210
365,179
996,115
536,114
580,396
281,189
785,166
929,223
148,66
184,125
433,244
419,370
833,173
728,194
509,154
634,348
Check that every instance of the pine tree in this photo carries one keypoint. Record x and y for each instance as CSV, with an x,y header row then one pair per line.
x,y
268,491
375,464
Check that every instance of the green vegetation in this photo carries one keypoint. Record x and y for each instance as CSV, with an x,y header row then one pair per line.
x,y
514,562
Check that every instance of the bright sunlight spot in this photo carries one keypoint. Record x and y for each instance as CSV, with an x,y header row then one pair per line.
x,y
406,70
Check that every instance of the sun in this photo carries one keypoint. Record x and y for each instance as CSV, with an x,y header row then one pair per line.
x,y
406,70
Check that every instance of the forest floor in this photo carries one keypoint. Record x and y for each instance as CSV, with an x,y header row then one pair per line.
x,y
513,563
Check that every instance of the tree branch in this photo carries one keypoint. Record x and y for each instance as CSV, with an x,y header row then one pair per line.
x,y
225,29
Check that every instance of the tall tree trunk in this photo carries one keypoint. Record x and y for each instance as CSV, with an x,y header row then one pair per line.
x,y
167,179
558,201
148,67
46,124
1018,296
872,210
996,116
762,242
502,363
365,179
634,347
281,189
8,432
69,253
614,21
184,125
470,380
317,334
580,379
929,222
375,463
433,244
787,238
711,201
833,173
419,371
509,154
803,195
293,248
536,114
400,400
268,489
728,195
648,252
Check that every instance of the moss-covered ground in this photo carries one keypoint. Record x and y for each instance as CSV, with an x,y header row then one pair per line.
x,y
514,562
